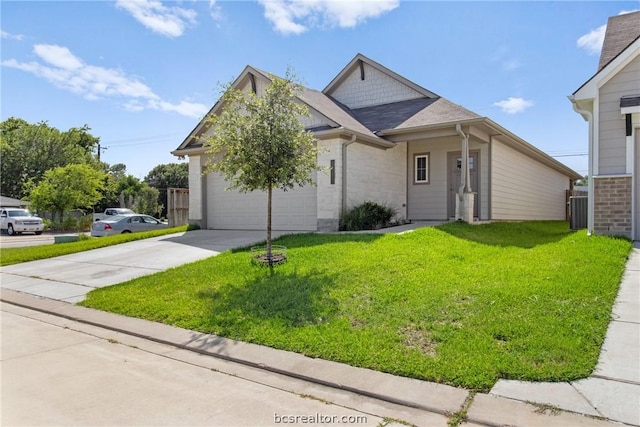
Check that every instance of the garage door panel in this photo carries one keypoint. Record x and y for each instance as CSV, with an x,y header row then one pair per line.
x,y
294,210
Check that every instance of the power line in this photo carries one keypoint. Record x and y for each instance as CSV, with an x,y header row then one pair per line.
x,y
571,155
141,140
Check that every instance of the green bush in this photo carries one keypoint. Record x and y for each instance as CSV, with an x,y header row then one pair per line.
x,y
367,216
69,222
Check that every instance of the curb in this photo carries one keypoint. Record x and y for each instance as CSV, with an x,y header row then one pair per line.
x,y
423,395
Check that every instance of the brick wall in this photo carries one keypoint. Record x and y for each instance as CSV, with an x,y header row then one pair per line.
x,y
612,210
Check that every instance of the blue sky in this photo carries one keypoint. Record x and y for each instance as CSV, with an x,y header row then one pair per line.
x,y
142,73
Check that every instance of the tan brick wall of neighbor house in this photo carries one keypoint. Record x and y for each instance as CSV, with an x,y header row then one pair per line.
x,y
612,210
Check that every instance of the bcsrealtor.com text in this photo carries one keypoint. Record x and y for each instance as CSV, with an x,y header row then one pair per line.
x,y
319,419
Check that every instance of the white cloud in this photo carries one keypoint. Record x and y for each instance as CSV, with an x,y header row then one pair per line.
x,y
513,105
6,35
593,40
297,16
168,21
66,71
215,10
58,56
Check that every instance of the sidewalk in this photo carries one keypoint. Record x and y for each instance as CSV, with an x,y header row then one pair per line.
x,y
611,396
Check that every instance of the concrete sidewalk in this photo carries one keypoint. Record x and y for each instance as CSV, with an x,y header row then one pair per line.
x,y
609,397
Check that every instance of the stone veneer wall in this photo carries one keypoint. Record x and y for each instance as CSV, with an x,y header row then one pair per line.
x,y
612,210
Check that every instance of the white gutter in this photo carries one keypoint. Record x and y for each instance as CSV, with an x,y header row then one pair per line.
x,y
465,178
588,115
344,171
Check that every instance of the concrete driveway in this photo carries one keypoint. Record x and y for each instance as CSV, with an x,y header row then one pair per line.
x,y
70,277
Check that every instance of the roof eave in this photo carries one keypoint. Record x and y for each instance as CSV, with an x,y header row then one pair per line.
x,y
590,87
532,151
415,129
512,139
360,137
202,125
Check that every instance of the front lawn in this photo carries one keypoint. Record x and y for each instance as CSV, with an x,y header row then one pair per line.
x,y
458,304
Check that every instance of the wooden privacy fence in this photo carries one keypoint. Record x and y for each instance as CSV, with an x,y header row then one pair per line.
x,y
178,206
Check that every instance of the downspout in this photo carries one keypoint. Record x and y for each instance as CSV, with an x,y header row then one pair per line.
x,y
591,172
344,172
465,179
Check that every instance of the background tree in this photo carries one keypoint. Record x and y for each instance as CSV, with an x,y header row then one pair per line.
x,y
146,201
170,175
29,150
127,187
67,188
584,181
109,192
259,142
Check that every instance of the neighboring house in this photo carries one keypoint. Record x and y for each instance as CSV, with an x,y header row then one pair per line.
x,y
390,141
10,202
610,102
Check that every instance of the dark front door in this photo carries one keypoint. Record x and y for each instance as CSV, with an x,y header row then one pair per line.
x,y
455,178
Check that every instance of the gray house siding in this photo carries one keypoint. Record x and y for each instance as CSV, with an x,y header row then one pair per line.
x,y
612,142
430,201
524,189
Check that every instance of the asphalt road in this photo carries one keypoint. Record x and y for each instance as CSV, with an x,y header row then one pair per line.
x,y
60,372
7,241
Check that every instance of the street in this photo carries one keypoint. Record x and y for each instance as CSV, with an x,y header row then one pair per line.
x,y
61,372
20,240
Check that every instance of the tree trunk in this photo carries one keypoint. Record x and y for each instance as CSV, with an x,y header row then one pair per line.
x,y
269,252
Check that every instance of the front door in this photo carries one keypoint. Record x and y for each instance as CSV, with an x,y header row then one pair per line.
x,y
455,178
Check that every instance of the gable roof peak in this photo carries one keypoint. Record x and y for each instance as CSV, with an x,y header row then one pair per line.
x,y
622,31
357,62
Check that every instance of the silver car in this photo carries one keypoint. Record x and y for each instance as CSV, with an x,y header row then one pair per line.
x,y
128,223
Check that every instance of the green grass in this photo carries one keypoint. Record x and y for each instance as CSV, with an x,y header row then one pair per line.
x,y
10,256
458,304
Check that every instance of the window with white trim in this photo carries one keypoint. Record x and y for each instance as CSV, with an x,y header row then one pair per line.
x,y
421,169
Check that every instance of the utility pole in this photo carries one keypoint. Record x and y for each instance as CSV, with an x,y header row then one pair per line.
x,y
100,149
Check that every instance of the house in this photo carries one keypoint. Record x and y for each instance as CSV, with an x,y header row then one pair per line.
x,y
388,140
610,102
10,202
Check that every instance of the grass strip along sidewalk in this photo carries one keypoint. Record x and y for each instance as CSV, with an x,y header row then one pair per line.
x,y
10,256
458,304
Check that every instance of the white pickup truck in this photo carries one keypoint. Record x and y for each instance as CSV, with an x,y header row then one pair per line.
x,y
15,221
109,212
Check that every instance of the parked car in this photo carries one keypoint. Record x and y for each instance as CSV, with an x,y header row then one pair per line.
x,y
111,212
15,221
127,223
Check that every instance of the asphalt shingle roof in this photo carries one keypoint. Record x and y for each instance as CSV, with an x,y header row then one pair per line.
x,y
622,30
333,111
440,111
388,116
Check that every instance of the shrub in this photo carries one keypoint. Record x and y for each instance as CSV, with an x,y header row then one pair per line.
x,y
70,222
367,216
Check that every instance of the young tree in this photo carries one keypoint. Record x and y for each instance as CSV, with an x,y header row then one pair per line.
x,y
66,188
259,142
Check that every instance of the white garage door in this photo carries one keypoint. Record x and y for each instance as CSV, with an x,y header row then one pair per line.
x,y
294,210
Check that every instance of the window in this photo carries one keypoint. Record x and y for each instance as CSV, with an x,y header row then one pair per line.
x,y
471,163
421,169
